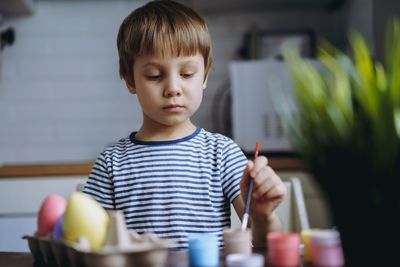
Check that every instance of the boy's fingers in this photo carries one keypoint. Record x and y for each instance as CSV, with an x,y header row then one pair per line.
x,y
275,193
259,163
265,180
263,185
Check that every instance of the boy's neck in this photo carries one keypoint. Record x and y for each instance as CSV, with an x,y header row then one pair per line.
x,y
166,133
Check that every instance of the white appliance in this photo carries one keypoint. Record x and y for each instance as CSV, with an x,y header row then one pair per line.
x,y
256,110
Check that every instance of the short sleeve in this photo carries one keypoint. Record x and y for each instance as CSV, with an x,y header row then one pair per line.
x,y
99,183
233,163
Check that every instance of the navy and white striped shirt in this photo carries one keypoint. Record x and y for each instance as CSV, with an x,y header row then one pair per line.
x,y
171,188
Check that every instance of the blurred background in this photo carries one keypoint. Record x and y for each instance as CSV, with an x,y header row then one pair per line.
x,y
62,101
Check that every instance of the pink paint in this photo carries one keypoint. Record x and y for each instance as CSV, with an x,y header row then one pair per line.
x,y
283,249
50,211
326,248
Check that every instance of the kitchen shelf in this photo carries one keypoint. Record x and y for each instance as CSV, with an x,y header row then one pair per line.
x,y
278,163
51,169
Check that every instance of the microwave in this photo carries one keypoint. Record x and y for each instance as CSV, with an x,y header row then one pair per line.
x,y
260,89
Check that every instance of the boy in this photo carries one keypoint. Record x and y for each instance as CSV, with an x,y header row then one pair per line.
x,y
170,177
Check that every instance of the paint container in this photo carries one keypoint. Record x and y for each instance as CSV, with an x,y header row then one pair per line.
x,y
237,241
244,260
326,248
283,249
306,240
203,250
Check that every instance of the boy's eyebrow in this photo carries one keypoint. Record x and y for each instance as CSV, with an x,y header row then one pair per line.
x,y
190,61
186,62
151,64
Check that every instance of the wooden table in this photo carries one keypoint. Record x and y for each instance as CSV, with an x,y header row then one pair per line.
x,y
16,259
22,259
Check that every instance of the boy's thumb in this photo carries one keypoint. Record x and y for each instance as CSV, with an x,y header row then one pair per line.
x,y
246,174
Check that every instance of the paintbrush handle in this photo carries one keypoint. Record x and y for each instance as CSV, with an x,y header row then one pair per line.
x,y
248,197
245,219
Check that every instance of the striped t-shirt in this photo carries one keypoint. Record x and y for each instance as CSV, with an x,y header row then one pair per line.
x,y
170,188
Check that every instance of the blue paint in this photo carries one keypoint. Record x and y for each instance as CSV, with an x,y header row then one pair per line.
x,y
203,250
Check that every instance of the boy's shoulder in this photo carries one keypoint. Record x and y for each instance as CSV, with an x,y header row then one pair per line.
x,y
215,136
121,144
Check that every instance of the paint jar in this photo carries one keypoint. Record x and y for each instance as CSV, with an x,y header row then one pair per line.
x,y
326,248
203,250
283,249
306,240
237,241
244,260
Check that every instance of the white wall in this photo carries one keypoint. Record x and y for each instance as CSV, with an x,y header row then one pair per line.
x,y
61,98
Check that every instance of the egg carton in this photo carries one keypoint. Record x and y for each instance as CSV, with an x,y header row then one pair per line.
x,y
123,248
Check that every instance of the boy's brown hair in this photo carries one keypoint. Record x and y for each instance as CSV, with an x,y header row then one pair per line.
x,y
159,28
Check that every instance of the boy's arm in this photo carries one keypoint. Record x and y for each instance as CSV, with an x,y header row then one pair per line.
x,y
99,183
268,192
261,226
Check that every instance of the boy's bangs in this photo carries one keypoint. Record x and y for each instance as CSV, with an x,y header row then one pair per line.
x,y
170,42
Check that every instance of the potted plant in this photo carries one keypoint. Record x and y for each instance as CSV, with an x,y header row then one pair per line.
x,y
346,126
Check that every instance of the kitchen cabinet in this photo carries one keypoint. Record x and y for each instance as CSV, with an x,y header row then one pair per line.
x,y
316,202
16,8
248,5
20,200
12,229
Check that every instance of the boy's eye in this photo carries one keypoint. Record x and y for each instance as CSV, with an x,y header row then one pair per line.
x,y
154,77
187,75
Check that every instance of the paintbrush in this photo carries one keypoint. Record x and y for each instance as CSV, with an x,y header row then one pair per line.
x,y
245,219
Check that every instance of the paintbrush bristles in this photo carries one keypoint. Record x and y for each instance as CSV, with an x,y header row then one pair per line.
x,y
245,221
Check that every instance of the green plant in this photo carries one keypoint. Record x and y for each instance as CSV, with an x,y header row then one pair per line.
x,y
352,104
346,126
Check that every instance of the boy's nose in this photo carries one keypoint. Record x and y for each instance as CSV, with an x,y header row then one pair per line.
x,y
172,88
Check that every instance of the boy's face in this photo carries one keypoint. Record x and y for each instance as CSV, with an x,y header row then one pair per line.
x,y
169,89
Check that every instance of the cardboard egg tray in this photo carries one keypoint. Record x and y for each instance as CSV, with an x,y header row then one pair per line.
x,y
123,248
63,254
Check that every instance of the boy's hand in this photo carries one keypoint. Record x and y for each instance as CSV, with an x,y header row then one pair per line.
x,y
268,190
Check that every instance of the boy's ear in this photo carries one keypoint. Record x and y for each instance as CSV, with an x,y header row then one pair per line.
x,y
205,82
130,87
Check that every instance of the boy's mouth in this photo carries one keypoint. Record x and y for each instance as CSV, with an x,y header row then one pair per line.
x,y
173,107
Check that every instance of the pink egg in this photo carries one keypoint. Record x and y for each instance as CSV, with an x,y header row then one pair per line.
x,y
51,209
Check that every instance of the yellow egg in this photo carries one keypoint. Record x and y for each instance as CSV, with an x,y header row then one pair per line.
x,y
84,217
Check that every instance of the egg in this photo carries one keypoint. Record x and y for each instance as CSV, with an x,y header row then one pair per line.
x,y
57,232
51,209
84,217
